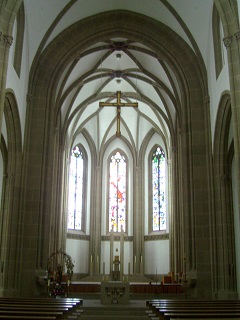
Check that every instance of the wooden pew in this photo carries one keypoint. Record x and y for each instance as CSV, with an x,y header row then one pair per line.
x,y
194,309
12,317
200,315
55,314
38,308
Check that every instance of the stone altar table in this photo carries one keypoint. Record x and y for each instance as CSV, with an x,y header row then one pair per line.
x,y
115,292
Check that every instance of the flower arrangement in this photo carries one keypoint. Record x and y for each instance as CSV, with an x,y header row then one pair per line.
x,y
58,291
55,268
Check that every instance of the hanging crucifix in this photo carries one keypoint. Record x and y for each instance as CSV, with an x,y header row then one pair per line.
x,y
118,104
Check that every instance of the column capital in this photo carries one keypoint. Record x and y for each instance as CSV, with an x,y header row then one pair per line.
x,y
237,35
29,98
227,41
7,40
206,99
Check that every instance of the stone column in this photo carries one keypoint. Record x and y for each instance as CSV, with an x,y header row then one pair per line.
x,y
5,44
111,252
121,254
138,229
95,224
232,44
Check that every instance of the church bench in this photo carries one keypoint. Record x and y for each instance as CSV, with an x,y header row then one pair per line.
x,y
191,303
175,301
57,308
168,309
32,317
66,311
199,315
42,302
55,314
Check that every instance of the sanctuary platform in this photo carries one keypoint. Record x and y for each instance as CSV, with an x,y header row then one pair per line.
x,y
134,288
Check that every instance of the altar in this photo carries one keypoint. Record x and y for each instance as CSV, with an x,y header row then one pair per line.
x,y
115,292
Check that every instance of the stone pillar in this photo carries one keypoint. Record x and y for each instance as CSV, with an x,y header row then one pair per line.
x,y
121,254
5,44
232,44
138,229
95,222
111,252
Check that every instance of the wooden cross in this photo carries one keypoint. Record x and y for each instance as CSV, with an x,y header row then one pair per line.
x,y
118,104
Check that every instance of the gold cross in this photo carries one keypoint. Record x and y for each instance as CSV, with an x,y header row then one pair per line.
x,y
118,104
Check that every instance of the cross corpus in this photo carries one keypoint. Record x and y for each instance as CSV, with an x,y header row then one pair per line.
x,y
118,104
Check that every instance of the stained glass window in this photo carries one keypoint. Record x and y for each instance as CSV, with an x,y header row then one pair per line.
x,y
158,190
117,193
75,198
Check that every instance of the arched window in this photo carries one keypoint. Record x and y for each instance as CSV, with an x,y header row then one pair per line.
x,y
76,193
158,190
117,192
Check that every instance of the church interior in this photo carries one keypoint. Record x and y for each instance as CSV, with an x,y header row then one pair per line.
x,y
120,147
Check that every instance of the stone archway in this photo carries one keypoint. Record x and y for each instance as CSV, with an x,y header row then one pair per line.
x,y
11,215
224,251
193,143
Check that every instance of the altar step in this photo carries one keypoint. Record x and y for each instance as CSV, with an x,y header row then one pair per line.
x,y
113,317
116,312
137,278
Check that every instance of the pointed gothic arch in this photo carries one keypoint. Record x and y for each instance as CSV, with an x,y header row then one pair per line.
x,y
193,90
224,257
11,214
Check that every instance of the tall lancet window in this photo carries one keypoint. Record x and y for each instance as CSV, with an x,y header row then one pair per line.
x,y
158,190
117,192
75,196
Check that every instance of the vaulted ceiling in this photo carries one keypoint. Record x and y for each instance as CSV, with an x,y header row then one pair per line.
x,y
119,64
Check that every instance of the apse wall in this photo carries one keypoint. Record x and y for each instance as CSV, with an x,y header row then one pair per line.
x,y
157,252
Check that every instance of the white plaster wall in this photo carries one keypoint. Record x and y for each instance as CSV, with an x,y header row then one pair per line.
x,y
157,257
105,256
78,250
